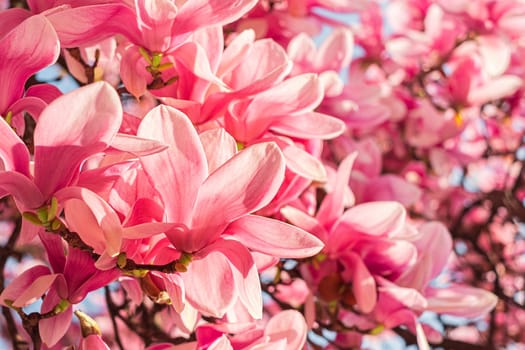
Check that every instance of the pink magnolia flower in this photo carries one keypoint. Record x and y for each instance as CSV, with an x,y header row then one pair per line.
x,y
63,141
108,62
22,54
415,48
74,276
286,330
212,224
366,181
365,102
378,267
334,54
236,68
282,21
162,38
99,226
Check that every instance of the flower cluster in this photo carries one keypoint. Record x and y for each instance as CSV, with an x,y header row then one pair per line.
x,y
212,180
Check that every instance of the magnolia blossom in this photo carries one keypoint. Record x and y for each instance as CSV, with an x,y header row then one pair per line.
x,y
216,182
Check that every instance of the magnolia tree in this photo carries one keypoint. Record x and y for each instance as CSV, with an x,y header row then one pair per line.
x,y
221,176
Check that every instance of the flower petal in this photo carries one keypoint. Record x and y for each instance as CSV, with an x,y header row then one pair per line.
x,y
252,178
27,195
29,47
290,325
13,152
309,126
201,13
219,147
52,329
93,219
274,237
209,284
332,206
16,288
88,25
462,301
363,284
72,128
178,172
374,218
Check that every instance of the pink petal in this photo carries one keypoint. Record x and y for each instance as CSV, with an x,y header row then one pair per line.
x,y
332,83
11,18
265,65
303,163
302,49
83,277
306,222
221,343
193,57
201,13
244,273
45,92
13,151
390,187
179,171
219,147
93,219
137,146
460,81
27,195
290,325
236,51
93,342
72,128
495,89
296,95
145,230
175,288
374,218
363,283
252,178
336,51
29,47
210,285
32,105
409,297
389,258
332,206
55,247
155,21
35,290
434,248
211,39
274,237
23,282
309,126
88,25
133,72
462,301
54,328
495,52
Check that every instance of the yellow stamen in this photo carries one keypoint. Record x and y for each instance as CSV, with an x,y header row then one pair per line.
x,y
377,330
458,118
32,217
145,54
9,117
156,59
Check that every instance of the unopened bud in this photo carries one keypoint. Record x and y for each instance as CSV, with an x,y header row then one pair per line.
x,y
88,325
